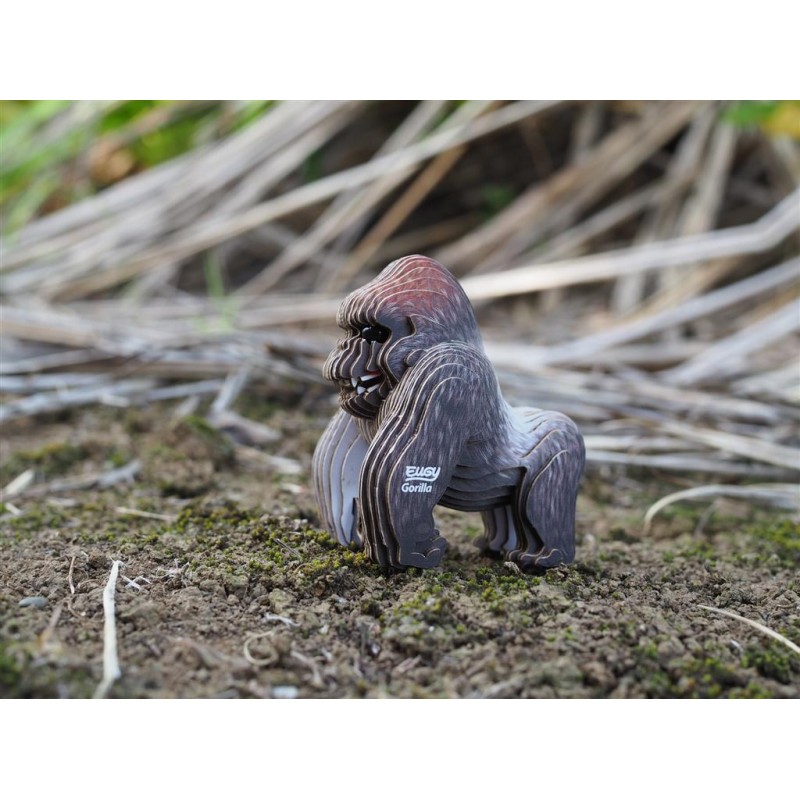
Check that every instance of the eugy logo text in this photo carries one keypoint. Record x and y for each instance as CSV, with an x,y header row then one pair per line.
x,y
426,474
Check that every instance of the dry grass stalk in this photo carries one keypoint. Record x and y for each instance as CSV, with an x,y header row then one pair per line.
x,y
659,222
348,206
663,181
701,211
418,124
725,355
781,384
574,241
698,215
406,203
757,237
747,446
536,212
683,463
102,273
747,289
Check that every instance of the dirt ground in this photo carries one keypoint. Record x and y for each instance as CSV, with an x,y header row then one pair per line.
x,y
228,588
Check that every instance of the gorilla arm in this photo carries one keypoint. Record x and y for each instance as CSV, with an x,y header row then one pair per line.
x,y
335,469
422,429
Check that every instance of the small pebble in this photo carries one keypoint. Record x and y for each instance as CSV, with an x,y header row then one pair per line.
x,y
285,692
33,602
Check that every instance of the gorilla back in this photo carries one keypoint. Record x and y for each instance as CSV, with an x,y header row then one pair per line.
x,y
423,422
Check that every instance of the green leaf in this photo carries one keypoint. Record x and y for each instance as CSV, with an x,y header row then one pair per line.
x,y
749,113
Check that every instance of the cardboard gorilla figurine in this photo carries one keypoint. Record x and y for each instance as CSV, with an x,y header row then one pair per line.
x,y
423,422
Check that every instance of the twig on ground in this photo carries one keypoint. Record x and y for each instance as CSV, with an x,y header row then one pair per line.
x,y
757,625
135,512
18,485
103,480
231,389
265,661
307,661
111,668
242,430
46,634
269,617
288,548
783,495
133,583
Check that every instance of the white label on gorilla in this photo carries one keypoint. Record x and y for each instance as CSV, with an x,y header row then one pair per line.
x,y
427,474
425,488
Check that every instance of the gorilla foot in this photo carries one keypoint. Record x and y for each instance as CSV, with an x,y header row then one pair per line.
x,y
540,560
426,554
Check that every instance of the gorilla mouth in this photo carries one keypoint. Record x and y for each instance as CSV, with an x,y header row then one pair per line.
x,y
363,395
366,383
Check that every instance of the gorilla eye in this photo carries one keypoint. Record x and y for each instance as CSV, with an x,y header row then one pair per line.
x,y
375,333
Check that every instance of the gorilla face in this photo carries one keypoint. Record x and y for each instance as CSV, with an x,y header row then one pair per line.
x,y
413,305
367,364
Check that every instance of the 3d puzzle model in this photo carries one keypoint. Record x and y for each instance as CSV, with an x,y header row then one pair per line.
x,y
423,422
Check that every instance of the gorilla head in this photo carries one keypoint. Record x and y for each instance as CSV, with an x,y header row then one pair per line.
x,y
413,305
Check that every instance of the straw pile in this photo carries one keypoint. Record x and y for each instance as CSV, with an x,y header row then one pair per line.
x,y
632,264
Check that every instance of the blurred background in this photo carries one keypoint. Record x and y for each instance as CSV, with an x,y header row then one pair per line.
x,y
633,264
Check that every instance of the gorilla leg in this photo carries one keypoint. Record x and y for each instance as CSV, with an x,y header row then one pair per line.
x,y
335,470
547,495
500,530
